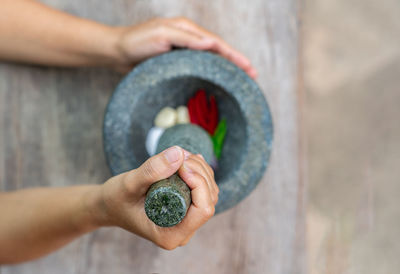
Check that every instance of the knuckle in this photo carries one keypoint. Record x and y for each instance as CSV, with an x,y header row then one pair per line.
x,y
200,157
149,171
126,182
202,180
208,211
161,31
212,172
191,157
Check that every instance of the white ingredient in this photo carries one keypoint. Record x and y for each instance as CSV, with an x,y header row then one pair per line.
x,y
152,139
182,115
166,118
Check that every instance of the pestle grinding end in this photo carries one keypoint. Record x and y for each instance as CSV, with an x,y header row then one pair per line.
x,y
189,137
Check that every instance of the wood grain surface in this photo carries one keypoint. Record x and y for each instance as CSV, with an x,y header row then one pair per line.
x,y
353,132
51,135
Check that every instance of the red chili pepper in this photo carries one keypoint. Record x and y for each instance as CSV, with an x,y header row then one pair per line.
x,y
203,112
192,113
200,111
203,103
213,114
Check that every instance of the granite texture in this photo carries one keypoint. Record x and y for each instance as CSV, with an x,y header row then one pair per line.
x,y
170,80
164,200
190,137
167,201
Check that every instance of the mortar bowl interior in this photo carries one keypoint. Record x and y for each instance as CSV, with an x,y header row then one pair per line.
x,y
171,80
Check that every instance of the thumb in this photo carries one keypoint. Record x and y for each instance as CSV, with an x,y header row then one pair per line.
x,y
159,167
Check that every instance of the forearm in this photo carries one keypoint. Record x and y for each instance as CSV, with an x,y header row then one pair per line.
x,y
37,221
32,32
34,222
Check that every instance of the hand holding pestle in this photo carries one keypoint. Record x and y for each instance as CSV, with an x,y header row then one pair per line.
x,y
168,200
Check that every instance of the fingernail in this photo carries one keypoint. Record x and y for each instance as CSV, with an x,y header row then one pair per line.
x,y
173,154
201,156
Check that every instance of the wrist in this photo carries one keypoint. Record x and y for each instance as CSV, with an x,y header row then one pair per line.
x,y
116,53
101,45
94,208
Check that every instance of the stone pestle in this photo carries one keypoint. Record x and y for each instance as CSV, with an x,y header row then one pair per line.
x,y
168,200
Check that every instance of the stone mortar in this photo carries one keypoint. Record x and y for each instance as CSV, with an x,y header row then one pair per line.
x,y
170,80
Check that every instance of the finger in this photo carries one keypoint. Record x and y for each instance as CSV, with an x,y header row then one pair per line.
x,y
207,170
195,218
201,194
253,73
218,45
222,48
215,44
197,167
200,165
186,153
181,38
156,168
202,208
210,172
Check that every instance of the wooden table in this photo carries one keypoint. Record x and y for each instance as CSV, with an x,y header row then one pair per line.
x,y
51,135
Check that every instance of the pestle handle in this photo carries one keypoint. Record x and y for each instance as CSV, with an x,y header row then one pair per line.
x,y
168,200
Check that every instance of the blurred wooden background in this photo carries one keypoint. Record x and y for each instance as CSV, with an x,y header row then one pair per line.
x,y
50,135
351,78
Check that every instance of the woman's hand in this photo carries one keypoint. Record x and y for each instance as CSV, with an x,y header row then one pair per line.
x,y
139,42
26,233
23,39
122,197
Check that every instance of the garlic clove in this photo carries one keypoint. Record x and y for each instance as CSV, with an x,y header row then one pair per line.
x,y
166,118
182,115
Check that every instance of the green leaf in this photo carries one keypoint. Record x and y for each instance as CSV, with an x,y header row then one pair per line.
x,y
218,137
